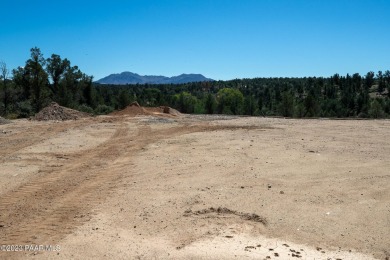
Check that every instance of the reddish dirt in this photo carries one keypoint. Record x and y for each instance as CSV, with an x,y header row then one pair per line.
x,y
134,109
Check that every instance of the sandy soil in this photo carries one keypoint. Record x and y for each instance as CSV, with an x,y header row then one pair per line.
x,y
196,187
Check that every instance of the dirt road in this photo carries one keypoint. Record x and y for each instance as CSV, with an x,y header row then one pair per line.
x,y
197,187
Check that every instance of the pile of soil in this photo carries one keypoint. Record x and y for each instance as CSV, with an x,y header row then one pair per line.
x,y
60,113
4,121
163,110
170,111
134,109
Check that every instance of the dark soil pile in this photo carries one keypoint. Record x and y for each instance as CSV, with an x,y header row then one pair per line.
x,y
4,121
57,112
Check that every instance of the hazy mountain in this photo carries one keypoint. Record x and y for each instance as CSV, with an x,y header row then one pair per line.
x,y
134,78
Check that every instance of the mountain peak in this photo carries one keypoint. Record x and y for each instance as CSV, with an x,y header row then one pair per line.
x,y
128,77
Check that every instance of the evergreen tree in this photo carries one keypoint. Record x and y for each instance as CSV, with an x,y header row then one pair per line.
x,y
287,104
249,105
37,79
381,82
210,104
311,106
89,94
124,99
56,68
387,81
4,73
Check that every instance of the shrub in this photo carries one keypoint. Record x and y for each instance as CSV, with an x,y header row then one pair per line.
x,y
25,109
85,108
103,110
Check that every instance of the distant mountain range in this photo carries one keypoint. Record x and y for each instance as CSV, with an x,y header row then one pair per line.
x,y
134,78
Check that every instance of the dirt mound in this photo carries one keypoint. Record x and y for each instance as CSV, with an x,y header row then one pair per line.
x,y
134,109
171,111
135,104
4,121
57,112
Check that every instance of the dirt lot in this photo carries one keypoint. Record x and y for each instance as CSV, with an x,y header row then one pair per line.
x,y
196,187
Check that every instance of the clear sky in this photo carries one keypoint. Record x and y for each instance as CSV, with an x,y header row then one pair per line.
x,y
221,39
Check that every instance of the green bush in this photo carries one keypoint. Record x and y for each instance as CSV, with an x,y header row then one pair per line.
x,y
199,108
230,101
85,108
25,109
103,110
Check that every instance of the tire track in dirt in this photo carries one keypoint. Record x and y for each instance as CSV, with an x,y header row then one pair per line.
x,y
46,210
18,141
64,198
53,200
81,161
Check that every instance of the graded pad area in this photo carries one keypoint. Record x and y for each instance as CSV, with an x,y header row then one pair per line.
x,y
198,187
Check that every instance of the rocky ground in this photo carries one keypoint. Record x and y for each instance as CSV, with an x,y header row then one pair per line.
x,y
196,187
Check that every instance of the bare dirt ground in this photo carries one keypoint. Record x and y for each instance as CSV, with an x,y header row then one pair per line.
x,y
196,187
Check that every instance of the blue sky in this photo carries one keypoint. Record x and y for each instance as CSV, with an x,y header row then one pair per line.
x,y
222,39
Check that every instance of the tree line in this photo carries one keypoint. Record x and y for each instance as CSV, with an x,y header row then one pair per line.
x,y
26,90
354,95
